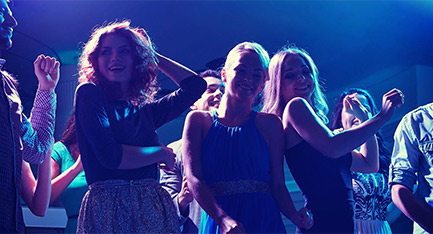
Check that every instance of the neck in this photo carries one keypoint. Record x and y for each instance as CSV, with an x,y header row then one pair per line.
x,y
234,112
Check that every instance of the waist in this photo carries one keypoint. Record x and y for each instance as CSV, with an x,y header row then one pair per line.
x,y
121,183
224,188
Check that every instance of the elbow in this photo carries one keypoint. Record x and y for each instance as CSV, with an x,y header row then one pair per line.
x,y
374,168
40,212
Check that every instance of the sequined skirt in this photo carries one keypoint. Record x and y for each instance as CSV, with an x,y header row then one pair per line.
x,y
118,206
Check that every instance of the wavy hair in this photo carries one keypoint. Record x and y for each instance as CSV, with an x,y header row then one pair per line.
x,y
69,136
384,152
273,101
143,86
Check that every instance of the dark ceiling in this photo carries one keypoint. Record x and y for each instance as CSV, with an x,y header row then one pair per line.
x,y
347,39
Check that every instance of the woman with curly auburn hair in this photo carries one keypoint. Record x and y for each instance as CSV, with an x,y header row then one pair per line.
x,y
116,117
321,161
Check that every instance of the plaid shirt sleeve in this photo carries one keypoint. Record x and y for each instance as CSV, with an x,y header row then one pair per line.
x,y
37,131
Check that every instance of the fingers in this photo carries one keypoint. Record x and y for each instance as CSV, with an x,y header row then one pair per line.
x,y
395,97
306,218
46,64
37,62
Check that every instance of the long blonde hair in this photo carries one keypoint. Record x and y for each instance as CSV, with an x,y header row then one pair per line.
x,y
273,101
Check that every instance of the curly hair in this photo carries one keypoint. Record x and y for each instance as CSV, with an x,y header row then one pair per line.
x,y
384,152
143,86
69,136
273,101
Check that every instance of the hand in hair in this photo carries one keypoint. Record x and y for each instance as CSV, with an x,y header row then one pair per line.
x,y
146,38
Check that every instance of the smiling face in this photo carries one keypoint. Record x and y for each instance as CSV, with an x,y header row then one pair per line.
x,y
296,78
115,59
211,98
244,76
349,120
7,23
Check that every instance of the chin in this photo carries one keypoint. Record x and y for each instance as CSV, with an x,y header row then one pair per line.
x,y
5,44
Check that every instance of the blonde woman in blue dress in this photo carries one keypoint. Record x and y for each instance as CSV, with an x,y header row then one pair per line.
x,y
233,156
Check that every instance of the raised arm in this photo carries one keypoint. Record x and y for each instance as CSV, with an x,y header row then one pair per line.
x,y
36,193
271,128
176,71
193,135
299,114
366,159
36,133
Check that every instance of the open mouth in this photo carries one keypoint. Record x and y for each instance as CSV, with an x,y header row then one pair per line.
x,y
116,68
303,88
245,87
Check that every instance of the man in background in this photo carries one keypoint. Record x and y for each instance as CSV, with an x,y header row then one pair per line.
x,y
189,211
412,163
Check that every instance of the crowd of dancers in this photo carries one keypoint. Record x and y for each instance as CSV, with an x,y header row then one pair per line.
x,y
226,173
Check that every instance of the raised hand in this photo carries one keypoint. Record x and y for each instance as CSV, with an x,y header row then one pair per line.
x,y
352,105
47,71
146,39
391,100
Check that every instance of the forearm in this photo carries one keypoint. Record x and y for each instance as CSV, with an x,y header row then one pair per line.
x,y
135,157
42,192
62,181
351,139
176,71
38,133
284,201
206,200
417,210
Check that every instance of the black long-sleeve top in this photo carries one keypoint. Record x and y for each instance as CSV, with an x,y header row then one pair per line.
x,y
102,126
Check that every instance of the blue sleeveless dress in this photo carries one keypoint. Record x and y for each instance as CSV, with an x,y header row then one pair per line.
x,y
236,167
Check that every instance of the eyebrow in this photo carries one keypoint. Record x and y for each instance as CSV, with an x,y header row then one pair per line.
x,y
109,47
291,69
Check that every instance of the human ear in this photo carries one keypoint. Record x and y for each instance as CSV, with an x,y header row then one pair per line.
x,y
223,75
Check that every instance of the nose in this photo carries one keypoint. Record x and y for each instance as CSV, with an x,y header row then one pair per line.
x,y
248,77
300,78
9,20
115,56
218,93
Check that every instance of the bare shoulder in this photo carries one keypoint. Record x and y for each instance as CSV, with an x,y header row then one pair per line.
x,y
267,119
296,103
298,108
269,124
197,117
